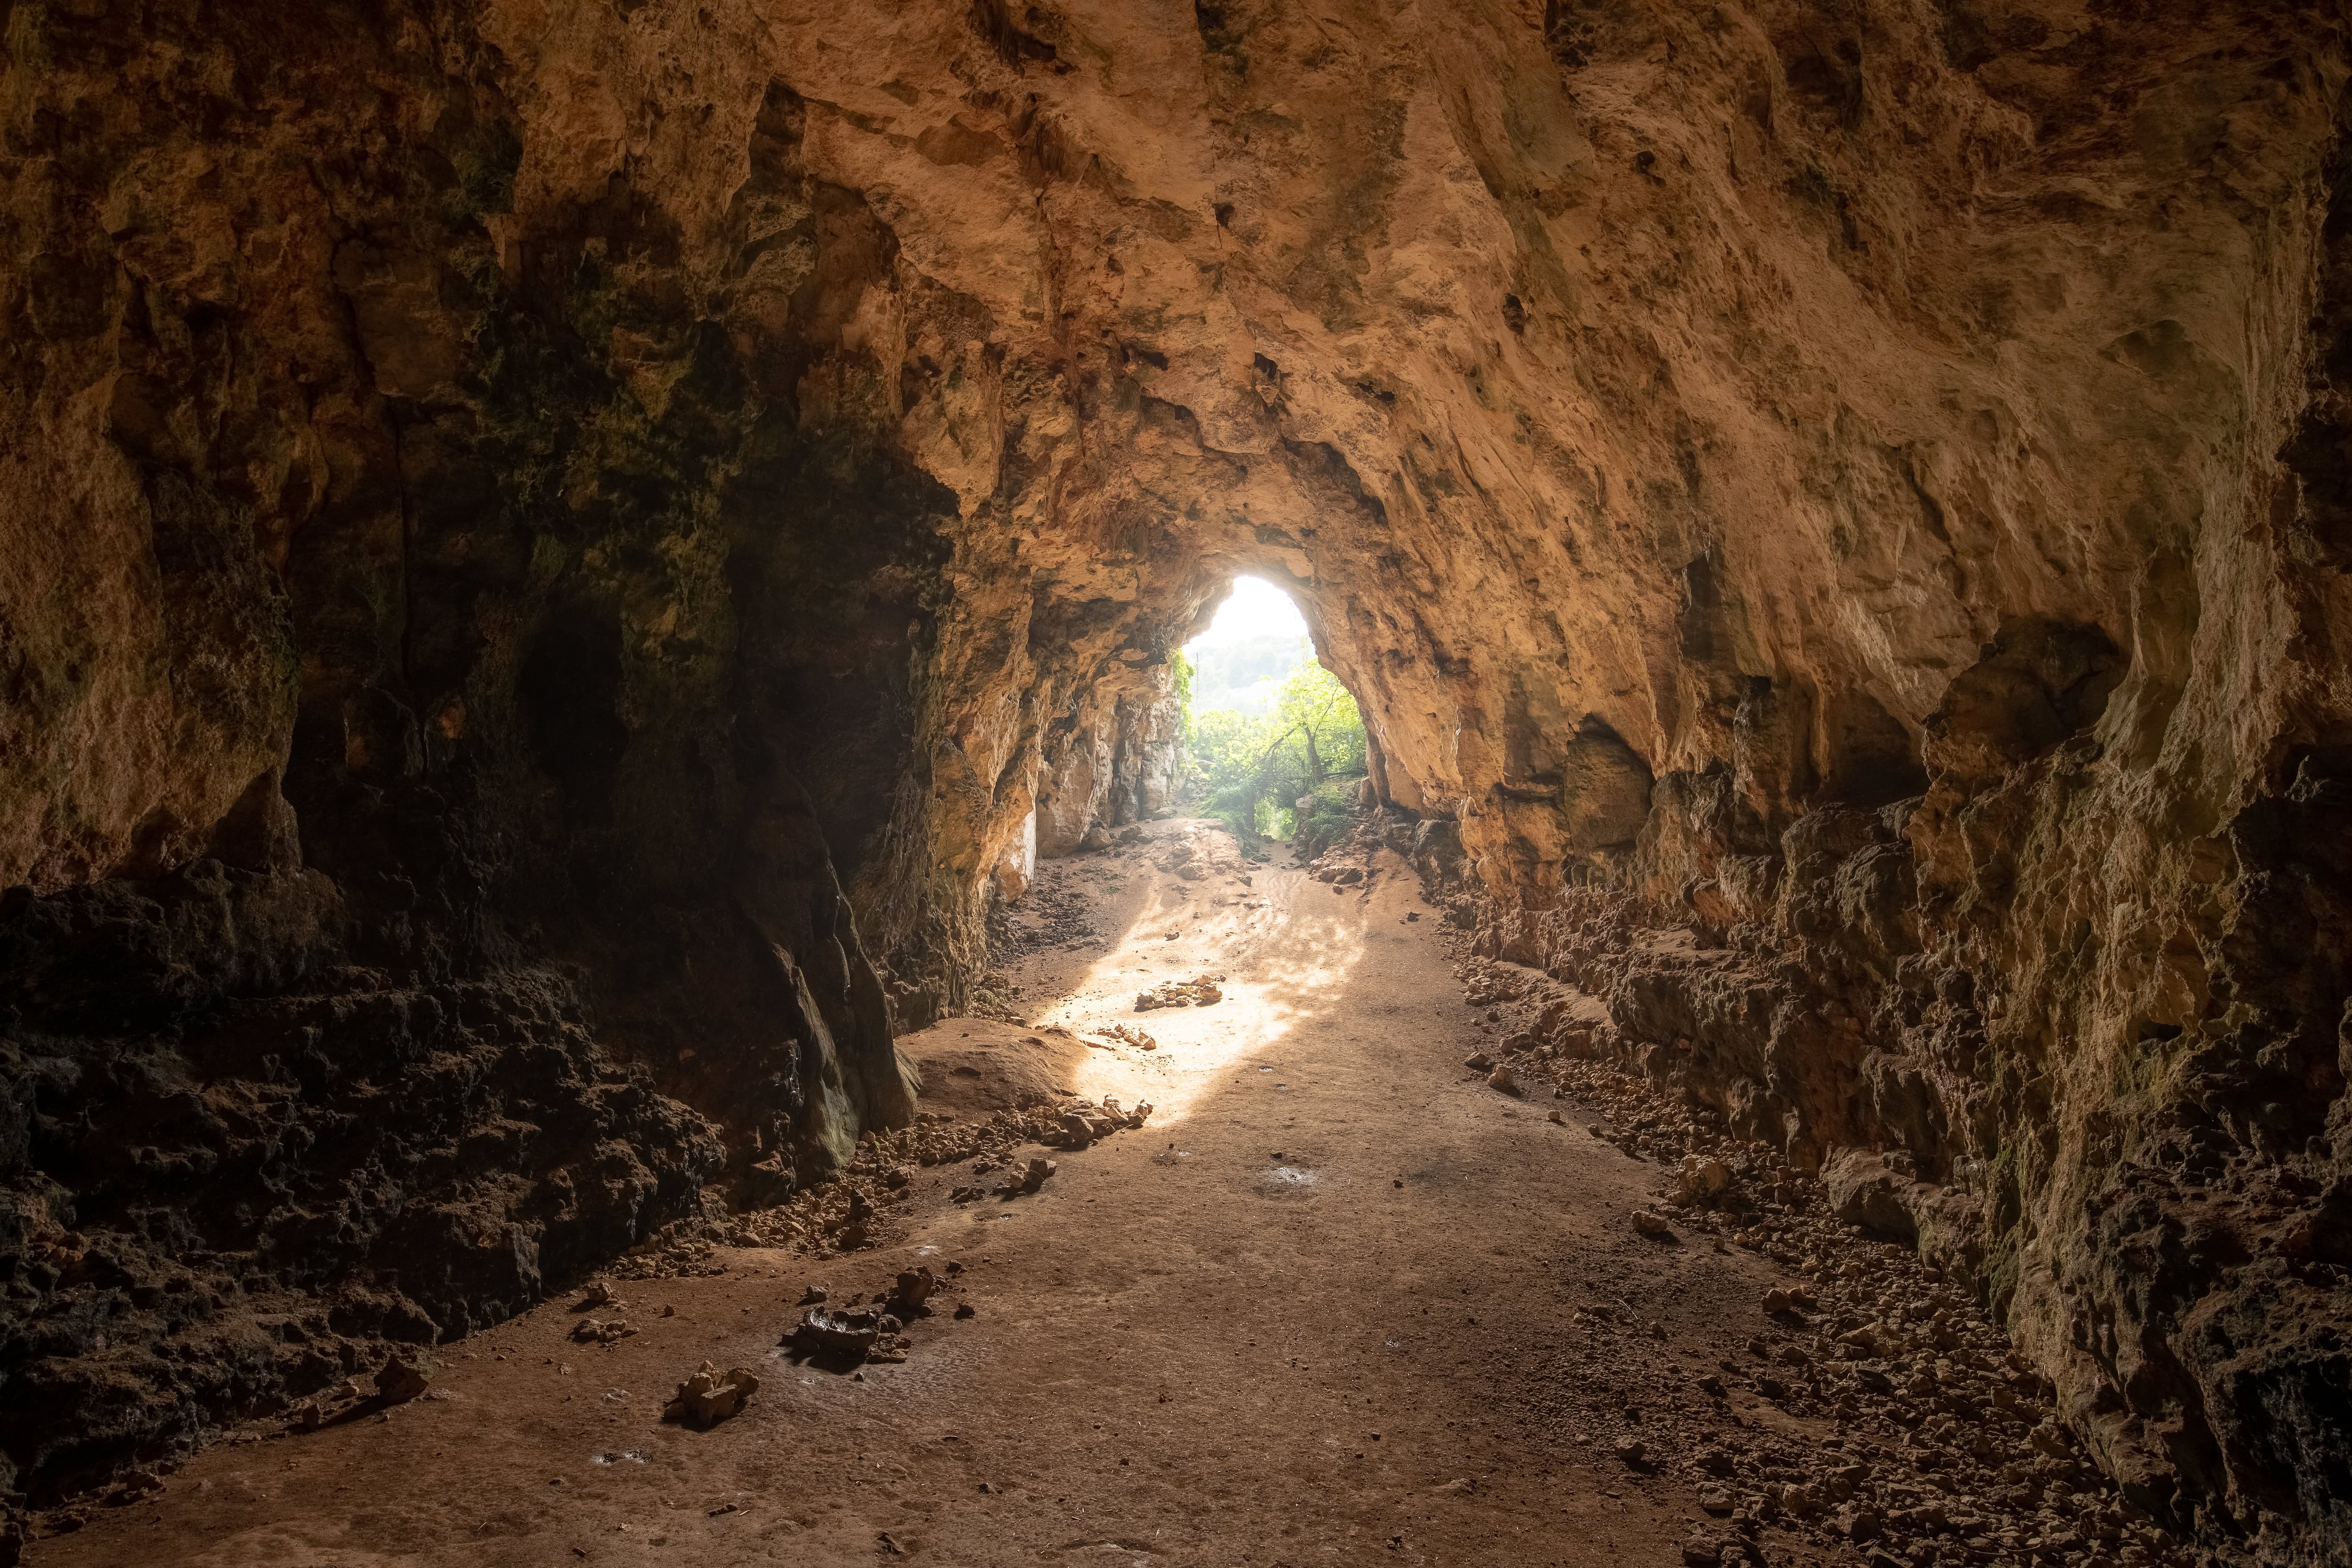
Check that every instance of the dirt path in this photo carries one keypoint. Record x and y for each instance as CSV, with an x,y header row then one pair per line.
x,y
1340,1302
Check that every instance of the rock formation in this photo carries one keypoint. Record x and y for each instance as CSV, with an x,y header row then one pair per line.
x,y
558,554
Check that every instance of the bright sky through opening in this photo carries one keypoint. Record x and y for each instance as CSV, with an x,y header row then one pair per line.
x,y
1257,609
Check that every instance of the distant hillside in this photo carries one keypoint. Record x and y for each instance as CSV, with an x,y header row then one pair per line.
x,y
1235,676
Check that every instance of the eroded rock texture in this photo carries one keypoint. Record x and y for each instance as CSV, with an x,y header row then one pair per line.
x,y
557,555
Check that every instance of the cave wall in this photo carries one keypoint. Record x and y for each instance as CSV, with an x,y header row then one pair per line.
x,y
419,888
624,521
1114,759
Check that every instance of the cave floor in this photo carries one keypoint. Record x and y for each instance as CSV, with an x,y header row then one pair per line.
x,y
1323,1309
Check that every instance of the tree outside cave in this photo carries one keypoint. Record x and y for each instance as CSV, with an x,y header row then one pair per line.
x,y
1273,744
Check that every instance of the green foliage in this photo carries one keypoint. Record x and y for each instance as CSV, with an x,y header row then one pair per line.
x,y
1331,815
1183,671
1249,771
1318,708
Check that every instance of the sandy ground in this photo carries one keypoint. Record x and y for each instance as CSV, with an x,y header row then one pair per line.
x,y
1334,1305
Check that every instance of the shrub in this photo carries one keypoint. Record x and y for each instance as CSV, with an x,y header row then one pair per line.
x,y
1248,771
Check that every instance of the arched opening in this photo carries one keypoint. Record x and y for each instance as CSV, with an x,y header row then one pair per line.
x,y
1274,746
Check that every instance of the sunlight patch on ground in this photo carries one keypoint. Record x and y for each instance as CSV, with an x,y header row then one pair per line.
x,y
1309,954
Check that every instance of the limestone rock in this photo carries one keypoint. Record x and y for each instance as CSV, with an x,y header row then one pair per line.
x,y
708,1396
401,1381
914,1287
1699,1179
1200,991
1864,1191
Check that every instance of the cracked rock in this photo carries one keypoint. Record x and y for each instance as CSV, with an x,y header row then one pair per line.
x,y
708,1396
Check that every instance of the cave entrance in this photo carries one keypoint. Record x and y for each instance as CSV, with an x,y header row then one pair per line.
x,y
1275,744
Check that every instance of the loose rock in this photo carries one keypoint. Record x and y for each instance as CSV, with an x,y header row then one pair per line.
x,y
402,1381
914,1287
590,1331
1200,991
708,1396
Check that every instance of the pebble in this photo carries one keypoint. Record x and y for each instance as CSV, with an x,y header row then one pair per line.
x,y
708,1396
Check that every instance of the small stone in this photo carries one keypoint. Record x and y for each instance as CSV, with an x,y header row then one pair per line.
x,y
1481,1063
847,1332
965,1309
1700,1179
1652,1226
915,1286
1699,1552
1503,1079
1629,1449
814,1296
595,1330
402,1381
1039,1170
708,1396
143,1483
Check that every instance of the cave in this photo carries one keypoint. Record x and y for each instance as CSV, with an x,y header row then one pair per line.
x,y
591,593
